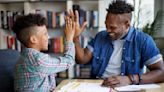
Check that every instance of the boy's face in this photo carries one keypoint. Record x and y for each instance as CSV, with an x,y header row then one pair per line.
x,y
42,38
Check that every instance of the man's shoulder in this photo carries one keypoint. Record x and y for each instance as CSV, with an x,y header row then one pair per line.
x,y
140,35
102,34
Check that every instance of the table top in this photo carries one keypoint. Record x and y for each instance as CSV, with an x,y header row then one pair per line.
x,y
64,82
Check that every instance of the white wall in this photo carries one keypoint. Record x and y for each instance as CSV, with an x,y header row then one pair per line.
x,y
3,39
157,6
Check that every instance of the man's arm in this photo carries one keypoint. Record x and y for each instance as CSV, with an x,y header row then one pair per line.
x,y
154,62
82,56
156,73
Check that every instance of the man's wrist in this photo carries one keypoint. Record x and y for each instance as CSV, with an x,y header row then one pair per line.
x,y
140,78
76,39
134,79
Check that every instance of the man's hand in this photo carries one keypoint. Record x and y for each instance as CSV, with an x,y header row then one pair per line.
x,y
116,81
78,29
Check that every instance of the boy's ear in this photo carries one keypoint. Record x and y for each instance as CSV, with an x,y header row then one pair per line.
x,y
33,39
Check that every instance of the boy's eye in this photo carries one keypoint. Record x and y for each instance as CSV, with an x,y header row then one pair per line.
x,y
46,33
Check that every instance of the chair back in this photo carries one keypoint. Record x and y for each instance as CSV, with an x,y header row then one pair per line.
x,y
8,59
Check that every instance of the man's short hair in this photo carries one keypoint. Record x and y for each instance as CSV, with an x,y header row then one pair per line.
x,y
120,7
24,26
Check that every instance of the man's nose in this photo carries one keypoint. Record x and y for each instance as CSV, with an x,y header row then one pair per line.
x,y
108,30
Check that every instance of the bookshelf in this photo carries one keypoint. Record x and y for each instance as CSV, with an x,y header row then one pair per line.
x,y
57,6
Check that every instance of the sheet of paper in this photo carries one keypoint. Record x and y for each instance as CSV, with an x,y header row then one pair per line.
x,y
137,87
84,87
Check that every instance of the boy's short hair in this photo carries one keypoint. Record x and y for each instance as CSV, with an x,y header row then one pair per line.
x,y
24,26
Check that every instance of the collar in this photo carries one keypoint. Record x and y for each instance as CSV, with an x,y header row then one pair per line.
x,y
27,50
130,34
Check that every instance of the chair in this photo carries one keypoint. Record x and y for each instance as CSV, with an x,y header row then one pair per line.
x,y
8,59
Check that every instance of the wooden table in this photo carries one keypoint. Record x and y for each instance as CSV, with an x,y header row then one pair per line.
x,y
64,82
156,90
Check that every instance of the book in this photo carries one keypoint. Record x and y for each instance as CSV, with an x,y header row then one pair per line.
x,y
132,88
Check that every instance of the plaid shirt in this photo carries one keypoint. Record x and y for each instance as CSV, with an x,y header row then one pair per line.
x,y
35,71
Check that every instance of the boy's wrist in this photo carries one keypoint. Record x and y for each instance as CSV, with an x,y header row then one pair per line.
x,y
69,44
69,40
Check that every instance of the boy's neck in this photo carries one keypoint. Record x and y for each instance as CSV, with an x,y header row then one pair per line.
x,y
34,47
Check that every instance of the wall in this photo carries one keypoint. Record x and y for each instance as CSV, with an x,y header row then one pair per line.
x,y
159,4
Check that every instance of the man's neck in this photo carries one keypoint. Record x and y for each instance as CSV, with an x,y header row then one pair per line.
x,y
125,34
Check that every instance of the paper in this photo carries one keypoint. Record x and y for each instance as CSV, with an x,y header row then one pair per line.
x,y
84,87
137,87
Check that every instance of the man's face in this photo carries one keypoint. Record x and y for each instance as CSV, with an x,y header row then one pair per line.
x,y
116,26
42,37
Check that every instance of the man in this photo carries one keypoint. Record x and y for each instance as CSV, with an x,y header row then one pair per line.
x,y
119,54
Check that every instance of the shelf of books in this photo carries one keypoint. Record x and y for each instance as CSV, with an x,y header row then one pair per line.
x,y
8,14
54,11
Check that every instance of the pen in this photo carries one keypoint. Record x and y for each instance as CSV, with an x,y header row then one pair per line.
x,y
110,90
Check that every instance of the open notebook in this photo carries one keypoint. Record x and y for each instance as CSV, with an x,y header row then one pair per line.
x,y
84,87
96,87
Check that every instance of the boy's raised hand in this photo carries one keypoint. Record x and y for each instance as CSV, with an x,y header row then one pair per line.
x,y
69,28
78,29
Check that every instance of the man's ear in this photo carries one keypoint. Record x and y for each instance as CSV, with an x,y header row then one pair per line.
x,y
127,24
33,39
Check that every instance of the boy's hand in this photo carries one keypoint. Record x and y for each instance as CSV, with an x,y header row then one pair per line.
x,y
69,29
78,29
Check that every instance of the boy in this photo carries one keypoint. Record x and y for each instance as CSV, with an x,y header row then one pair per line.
x,y
35,71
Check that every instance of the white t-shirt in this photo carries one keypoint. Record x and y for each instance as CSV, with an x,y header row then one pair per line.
x,y
114,64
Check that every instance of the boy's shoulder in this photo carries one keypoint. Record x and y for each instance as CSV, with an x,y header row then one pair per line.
x,y
34,54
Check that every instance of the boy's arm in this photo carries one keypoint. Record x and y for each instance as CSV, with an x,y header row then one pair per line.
x,y
51,65
54,65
